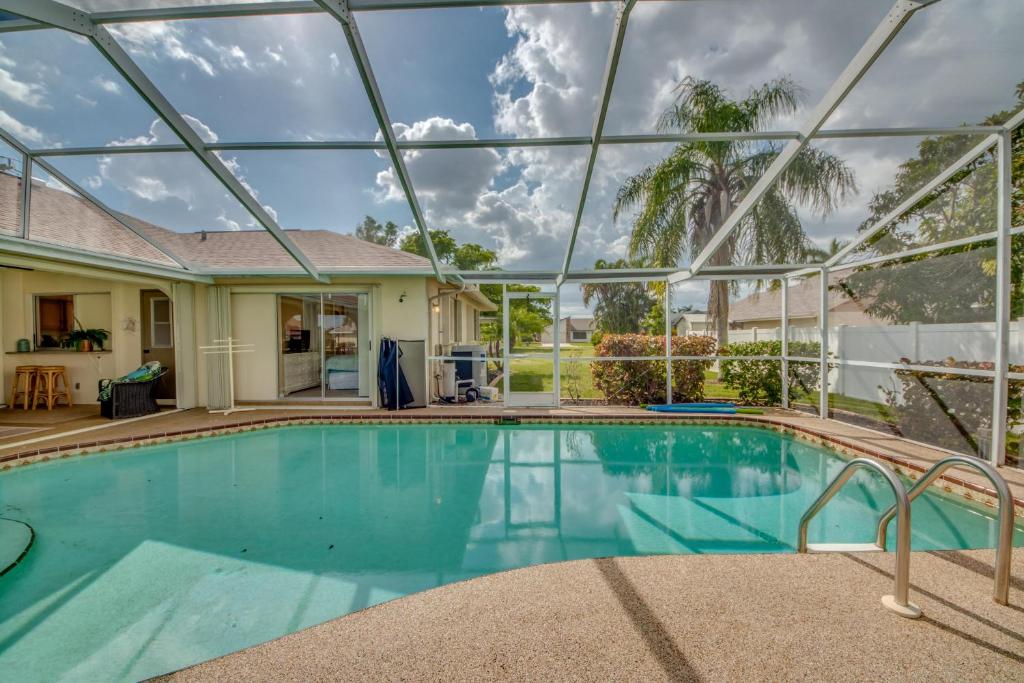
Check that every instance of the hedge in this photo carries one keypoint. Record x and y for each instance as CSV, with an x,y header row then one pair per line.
x,y
643,381
949,410
760,381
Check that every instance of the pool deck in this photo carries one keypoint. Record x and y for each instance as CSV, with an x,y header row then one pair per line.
x,y
69,433
681,618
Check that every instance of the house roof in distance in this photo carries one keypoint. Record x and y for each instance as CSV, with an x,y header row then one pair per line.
x,y
804,300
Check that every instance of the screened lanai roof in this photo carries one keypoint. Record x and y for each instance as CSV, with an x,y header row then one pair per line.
x,y
171,123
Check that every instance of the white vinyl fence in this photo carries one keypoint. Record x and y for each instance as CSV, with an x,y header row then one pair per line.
x,y
919,343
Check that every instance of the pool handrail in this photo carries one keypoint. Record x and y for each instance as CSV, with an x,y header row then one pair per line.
x,y
1004,539
899,601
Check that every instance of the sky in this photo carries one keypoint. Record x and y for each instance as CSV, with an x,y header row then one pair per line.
x,y
479,73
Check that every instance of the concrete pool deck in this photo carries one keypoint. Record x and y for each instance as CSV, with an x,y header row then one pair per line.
x,y
64,437
680,618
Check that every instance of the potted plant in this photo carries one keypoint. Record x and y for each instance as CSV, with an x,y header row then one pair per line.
x,y
87,339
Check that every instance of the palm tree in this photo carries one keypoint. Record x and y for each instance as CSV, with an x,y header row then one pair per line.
x,y
682,200
815,254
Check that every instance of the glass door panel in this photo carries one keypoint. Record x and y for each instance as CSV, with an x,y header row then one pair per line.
x,y
300,374
345,344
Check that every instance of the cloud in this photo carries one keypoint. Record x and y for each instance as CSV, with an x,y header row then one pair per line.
x,y
85,100
229,56
107,85
160,134
30,94
173,190
22,131
166,38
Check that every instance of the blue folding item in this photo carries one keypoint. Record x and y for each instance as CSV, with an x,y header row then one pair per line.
x,y
719,408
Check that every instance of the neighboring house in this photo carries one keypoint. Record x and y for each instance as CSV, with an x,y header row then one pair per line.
x,y
690,322
763,310
571,330
311,340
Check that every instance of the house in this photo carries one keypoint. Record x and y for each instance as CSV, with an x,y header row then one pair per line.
x,y
691,322
763,309
162,294
571,330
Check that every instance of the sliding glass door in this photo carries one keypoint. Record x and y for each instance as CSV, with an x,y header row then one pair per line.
x,y
325,346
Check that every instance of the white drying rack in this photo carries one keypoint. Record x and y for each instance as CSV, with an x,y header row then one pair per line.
x,y
230,347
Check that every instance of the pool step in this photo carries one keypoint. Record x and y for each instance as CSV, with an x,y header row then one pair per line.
x,y
843,548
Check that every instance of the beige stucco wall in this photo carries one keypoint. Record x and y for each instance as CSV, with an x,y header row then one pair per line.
x,y
254,321
109,304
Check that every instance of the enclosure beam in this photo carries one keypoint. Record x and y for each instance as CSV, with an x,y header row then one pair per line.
x,y
64,17
556,381
26,194
504,143
668,343
896,18
823,329
1000,383
912,201
81,192
339,9
784,283
610,68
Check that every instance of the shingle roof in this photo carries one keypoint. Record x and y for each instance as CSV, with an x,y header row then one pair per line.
x,y
803,301
59,217
66,219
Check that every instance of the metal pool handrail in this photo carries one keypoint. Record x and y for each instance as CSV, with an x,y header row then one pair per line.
x,y
1004,541
899,602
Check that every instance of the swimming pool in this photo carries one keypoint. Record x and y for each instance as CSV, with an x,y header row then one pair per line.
x,y
152,559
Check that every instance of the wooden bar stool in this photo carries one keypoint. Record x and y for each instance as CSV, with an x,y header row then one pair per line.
x,y
24,384
51,386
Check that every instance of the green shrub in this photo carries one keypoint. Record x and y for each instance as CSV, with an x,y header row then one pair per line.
x,y
760,381
596,337
643,381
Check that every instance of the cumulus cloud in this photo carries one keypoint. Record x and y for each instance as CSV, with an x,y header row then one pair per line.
x,y
22,131
30,94
172,190
159,133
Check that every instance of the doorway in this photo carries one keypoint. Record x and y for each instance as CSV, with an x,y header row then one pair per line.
x,y
531,370
158,338
325,346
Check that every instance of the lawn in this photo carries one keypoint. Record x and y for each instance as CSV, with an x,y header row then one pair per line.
x,y
536,375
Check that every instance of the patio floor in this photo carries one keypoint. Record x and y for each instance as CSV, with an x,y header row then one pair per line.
x,y
682,618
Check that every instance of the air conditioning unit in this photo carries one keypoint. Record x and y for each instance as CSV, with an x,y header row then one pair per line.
x,y
475,365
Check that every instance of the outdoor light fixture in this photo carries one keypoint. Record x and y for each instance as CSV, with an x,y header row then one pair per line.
x,y
437,307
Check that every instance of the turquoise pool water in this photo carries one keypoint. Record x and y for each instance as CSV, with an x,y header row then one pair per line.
x,y
150,560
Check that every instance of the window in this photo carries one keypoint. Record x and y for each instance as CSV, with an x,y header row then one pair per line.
x,y
57,316
55,319
579,335
161,332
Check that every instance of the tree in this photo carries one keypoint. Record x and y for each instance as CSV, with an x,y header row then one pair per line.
x,y
444,245
372,231
619,308
464,257
474,257
681,201
964,206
